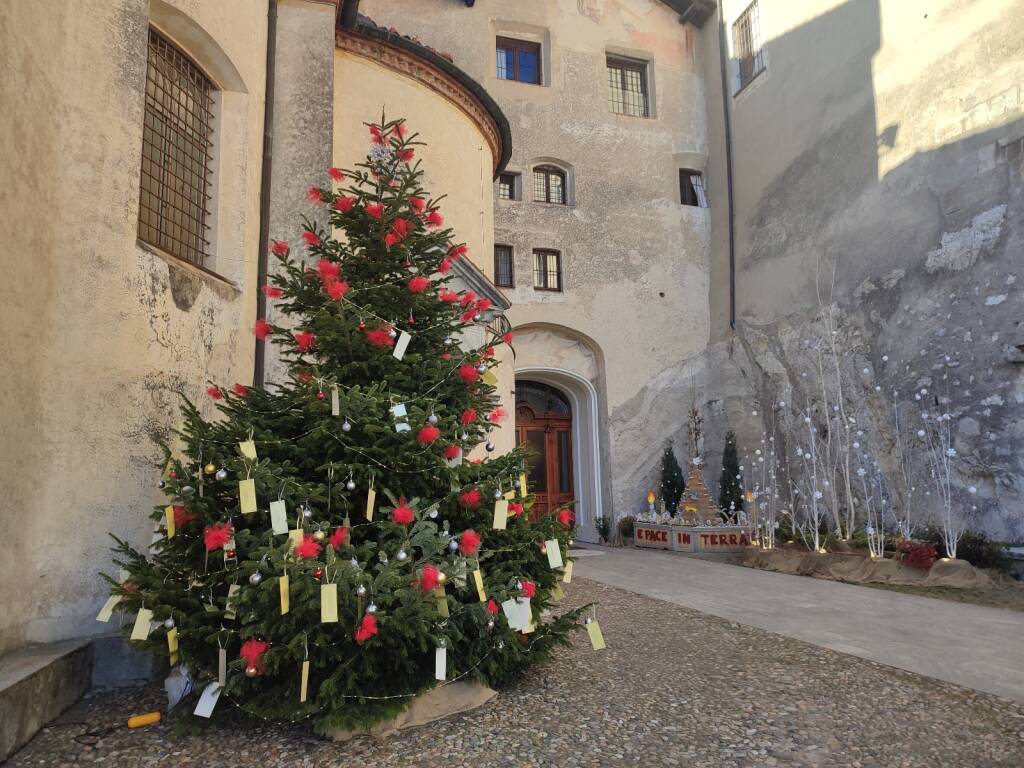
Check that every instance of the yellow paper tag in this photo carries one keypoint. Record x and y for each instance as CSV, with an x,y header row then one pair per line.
x,y
567,573
172,641
596,638
478,579
169,513
522,485
142,621
329,603
304,685
371,498
248,449
510,495
108,608
282,585
335,406
489,378
222,667
442,600
554,552
247,496
500,515
557,593
294,537
229,604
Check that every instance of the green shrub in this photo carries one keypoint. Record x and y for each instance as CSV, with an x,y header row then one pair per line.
x,y
976,548
626,526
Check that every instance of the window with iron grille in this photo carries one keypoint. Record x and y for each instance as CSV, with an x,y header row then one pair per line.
x,y
174,194
547,270
504,266
691,189
548,185
507,186
518,60
627,87
746,46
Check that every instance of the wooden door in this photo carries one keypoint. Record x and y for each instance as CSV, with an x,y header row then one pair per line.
x,y
544,425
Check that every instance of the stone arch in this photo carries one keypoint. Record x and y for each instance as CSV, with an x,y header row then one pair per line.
x,y
572,363
198,43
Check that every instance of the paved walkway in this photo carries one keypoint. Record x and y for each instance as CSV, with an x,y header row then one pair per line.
x,y
969,645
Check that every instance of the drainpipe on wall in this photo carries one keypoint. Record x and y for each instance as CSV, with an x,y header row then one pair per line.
x,y
259,360
728,165
349,14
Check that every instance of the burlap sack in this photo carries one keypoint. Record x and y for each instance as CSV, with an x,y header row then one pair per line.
x,y
433,705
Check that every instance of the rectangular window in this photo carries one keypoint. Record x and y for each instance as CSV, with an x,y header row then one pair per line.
x,y
504,266
518,60
507,186
691,189
746,46
627,87
174,193
547,270
548,185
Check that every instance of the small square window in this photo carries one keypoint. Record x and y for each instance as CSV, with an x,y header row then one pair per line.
x,y
518,60
548,185
504,267
547,270
627,87
507,186
691,189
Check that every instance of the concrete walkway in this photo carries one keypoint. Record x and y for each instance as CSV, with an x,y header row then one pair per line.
x,y
969,645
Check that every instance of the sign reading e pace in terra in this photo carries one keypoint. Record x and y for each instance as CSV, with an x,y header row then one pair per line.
x,y
722,541
656,536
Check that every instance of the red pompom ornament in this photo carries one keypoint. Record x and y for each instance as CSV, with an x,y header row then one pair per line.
x,y
380,337
492,607
451,452
566,518
497,415
375,210
402,514
468,373
429,577
529,588
216,536
468,416
304,340
336,174
329,270
515,508
417,204
336,288
252,651
418,284
344,204
469,542
279,248
434,219
308,547
339,537
181,516
367,628
262,329
428,434
214,392
310,238
470,498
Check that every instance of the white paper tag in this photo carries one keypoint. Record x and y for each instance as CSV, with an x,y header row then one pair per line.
x,y
554,553
222,666
440,663
142,624
525,615
402,426
511,610
279,517
335,402
402,344
108,608
399,411
229,608
208,700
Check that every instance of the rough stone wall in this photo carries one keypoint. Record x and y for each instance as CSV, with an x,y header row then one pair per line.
x,y
634,261
896,162
99,333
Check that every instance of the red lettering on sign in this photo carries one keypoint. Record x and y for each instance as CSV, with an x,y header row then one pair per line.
x,y
732,539
686,538
704,539
744,540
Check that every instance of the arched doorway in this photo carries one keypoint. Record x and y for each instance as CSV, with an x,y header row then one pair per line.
x,y
544,424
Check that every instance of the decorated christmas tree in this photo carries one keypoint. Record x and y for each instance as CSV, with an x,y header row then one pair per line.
x,y
672,482
327,548
730,483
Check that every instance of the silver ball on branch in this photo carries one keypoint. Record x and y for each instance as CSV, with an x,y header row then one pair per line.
x,y
453,545
432,419
482,368
497,493
350,485
371,608
489,446
255,578
433,514
401,556
188,490
464,436
392,333
222,474
346,426
162,484
169,622
361,590
251,671
307,512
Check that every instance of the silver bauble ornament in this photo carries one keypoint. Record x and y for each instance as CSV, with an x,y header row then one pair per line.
x,y
453,545
188,490
464,436
307,512
489,446
222,474
251,672
490,623
482,368
169,622
432,418
401,555
371,608
350,485
497,493
515,483
255,578
392,333
360,590
432,514
162,484
346,426
519,585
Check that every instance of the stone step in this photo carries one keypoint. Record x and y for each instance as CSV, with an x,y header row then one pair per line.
x,y
37,683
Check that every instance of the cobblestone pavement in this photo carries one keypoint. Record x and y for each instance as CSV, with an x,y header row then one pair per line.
x,y
674,688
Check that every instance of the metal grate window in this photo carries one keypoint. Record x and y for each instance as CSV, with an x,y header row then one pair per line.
x,y
504,267
548,185
176,140
507,186
691,189
547,270
627,87
746,45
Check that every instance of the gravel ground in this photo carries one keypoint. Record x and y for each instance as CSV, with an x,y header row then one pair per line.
x,y
674,688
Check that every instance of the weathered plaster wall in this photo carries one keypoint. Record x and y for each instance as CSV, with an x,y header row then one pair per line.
x,y
883,140
457,162
100,333
635,261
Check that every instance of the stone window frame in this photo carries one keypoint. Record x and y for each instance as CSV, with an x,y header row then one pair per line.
x,y
501,249
542,276
746,42
548,171
513,181
518,47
